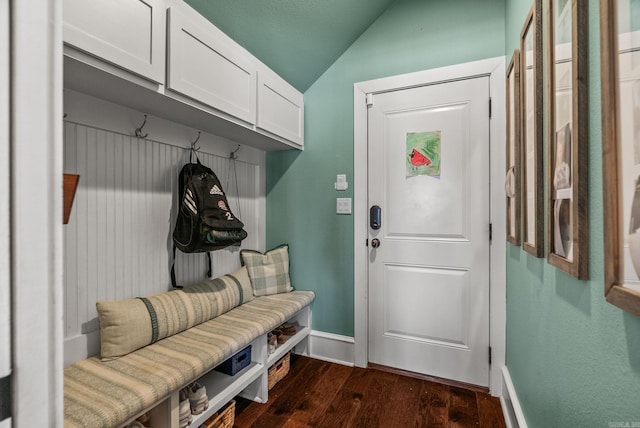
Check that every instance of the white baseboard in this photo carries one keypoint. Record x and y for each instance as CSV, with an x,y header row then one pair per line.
x,y
513,415
82,346
331,347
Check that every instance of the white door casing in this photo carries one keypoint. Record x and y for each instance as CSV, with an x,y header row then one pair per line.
x,y
494,68
5,304
36,213
429,279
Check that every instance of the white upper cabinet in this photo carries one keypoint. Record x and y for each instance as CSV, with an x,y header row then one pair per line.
x,y
206,65
163,58
127,33
280,107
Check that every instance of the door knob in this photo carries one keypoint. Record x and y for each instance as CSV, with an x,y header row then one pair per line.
x,y
375,242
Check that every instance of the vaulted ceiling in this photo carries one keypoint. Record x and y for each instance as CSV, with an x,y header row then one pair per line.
x,y
298,39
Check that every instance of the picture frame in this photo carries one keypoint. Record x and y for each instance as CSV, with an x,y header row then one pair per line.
x,y
567,109
513,155
531,99
620,118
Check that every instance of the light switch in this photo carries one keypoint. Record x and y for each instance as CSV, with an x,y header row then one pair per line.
x,y
343,205
341,182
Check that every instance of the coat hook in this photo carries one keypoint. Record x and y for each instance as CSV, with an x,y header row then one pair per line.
x,y
233,153
193,144
138,131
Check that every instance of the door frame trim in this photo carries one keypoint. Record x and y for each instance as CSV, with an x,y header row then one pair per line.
x,y
494,68
36,145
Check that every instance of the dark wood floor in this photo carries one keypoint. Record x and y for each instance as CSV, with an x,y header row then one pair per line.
x,y
320,394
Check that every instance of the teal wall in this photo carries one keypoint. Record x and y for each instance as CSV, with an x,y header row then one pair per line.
x,y
411,35
299,40
573,357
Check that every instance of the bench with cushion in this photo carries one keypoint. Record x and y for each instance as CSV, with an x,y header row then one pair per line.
x,y
152,347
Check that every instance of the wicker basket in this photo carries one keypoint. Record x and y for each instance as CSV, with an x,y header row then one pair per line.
x,y
224,418
278,371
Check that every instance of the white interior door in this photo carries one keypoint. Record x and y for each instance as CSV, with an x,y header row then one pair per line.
x,y
428,171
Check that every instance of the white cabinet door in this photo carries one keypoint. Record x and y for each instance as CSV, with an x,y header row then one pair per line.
x,y
280,108
127,33
209,67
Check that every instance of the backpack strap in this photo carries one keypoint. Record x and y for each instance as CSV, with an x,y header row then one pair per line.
x,y
173,269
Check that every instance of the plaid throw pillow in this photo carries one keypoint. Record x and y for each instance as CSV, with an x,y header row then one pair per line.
x,y
268,272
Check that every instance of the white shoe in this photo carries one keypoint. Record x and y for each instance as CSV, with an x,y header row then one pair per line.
x,y
198,398
185,409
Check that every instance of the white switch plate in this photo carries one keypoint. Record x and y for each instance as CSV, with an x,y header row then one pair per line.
x,y
341,182
343,205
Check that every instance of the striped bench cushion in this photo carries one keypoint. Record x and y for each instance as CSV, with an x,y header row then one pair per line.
x,y
127,325
108,393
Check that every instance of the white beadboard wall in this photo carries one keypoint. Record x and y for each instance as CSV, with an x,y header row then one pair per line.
x,y
118,241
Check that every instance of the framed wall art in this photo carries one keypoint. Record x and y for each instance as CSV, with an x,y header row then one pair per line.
x,y
567,210
620,70
531,131
512,180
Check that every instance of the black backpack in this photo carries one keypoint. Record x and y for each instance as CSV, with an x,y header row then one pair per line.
x,y
205,221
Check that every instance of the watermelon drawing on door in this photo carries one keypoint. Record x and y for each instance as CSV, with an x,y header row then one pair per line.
x,y
423,153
